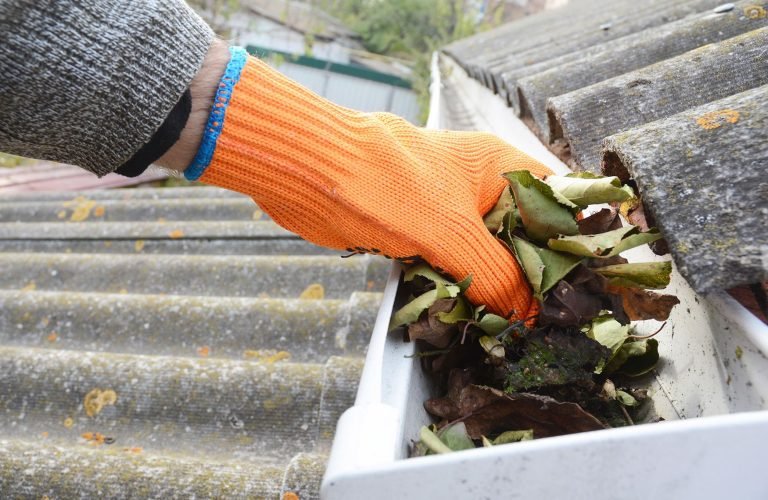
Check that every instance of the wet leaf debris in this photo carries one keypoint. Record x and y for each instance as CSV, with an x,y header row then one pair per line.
x,y
571,368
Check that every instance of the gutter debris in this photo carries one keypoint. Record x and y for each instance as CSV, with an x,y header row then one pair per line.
x,y
574,367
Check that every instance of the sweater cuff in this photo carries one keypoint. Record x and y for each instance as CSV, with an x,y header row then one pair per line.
x,y
165,137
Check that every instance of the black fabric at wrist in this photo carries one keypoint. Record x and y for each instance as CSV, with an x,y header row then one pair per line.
x,y
165,137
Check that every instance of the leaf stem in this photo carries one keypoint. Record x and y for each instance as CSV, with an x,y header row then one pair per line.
x,y
643,337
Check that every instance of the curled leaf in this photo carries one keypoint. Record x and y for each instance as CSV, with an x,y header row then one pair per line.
x,y
605,244
641,304
626,398
542,214
410,312
543,267
455,437
493,347
609,333
433,442
506,204
638,275
603,221
635,358
589,191
514,437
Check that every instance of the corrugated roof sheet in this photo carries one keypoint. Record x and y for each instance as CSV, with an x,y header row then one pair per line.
x,y
670,93
187,304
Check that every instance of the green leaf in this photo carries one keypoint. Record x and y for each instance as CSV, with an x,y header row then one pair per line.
x,y
528,256
635,358
462,311
492,346
611,334
640,275
542,214
432,441
514,437
589,191
641,364
410,312
505,205
604,245
492,324
425,271
635,240
456,438
464,284
508,224
546,266
625,398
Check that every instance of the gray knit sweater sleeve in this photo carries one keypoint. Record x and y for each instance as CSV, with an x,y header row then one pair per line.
x,y
88,82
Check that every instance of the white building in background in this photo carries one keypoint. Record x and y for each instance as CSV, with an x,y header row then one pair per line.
x,y
318,51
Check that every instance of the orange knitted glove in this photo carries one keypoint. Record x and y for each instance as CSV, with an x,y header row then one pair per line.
x,y
365,182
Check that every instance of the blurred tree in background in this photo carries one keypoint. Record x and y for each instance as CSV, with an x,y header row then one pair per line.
x,y
413,29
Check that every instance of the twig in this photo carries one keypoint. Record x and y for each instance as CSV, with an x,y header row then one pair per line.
x,y
626,414
641,337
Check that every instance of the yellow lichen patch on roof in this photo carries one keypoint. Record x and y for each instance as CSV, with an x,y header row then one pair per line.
x,y
97,399
139,245
29,287
96,438
99,211
68,422
176,234
266,355
716,119
277,402
52,337
315,291
203,351
754,12
81,209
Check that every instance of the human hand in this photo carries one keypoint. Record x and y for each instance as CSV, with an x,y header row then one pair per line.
x,y
366,182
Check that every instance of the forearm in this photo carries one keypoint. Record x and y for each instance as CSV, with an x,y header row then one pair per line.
x,y
89,83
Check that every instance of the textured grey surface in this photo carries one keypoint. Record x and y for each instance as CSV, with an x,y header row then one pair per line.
x,y
573,71
711,72
579,24
89,83
704,177
629,70
202,209
227,379
621,19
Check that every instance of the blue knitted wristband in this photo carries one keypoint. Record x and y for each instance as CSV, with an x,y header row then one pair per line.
x,y
218,111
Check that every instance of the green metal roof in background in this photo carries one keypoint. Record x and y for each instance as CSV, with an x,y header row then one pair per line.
x,y
343,69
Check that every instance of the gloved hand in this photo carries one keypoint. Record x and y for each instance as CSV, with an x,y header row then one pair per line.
x,y
365,182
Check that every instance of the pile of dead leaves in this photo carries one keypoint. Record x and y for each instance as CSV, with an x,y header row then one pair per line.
x,y
572,372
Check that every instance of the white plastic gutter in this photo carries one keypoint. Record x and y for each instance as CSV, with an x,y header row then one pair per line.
x,y
713,366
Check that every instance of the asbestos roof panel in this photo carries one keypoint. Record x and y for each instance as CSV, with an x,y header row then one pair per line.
x,y
573,71
711,72
193,356
630,71
704,178
603,27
